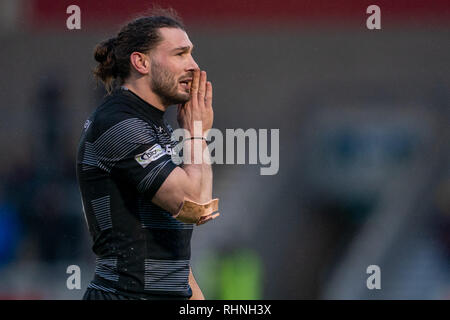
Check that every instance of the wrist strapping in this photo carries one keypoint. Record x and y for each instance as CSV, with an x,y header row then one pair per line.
x,y
191,212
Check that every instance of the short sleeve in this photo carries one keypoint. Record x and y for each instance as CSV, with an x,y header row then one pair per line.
x,y
130,151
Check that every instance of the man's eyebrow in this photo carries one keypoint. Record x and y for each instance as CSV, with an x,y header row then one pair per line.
x,y
184,48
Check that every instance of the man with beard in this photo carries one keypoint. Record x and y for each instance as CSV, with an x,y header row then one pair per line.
x,y
139,206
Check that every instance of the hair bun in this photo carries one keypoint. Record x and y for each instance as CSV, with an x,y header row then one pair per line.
x,y
104,50
106,69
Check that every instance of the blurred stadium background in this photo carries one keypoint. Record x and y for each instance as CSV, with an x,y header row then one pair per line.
x,y
363,115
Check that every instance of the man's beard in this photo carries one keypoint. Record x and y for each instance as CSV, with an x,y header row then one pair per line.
x,y
165,86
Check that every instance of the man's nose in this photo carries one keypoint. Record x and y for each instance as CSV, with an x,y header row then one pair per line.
x,y
192,65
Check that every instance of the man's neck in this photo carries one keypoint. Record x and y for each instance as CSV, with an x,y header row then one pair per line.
x,y
143,91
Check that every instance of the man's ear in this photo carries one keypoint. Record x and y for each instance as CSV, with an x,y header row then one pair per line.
x,y
140,62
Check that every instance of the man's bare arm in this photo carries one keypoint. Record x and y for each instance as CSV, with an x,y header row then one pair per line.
x,y
192,181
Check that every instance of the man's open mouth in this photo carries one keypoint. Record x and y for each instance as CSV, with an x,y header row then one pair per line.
x,y
186,83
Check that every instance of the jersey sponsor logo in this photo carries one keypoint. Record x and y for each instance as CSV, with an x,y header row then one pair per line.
x,y
152,154
170,151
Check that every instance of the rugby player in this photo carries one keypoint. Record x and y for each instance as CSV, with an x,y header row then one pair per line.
x,y
139,205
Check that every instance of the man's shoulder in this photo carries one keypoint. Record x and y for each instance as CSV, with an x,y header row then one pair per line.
x,y
110,113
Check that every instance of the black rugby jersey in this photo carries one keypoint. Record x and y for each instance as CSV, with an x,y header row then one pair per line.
x,y
123,158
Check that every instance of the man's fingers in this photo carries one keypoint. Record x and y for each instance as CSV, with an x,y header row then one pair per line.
x,y
202,86
215,215
206,218
209,94
195,84
200,222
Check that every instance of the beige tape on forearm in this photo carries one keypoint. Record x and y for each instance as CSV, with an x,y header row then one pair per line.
x,y
190,211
